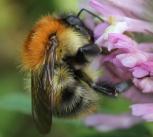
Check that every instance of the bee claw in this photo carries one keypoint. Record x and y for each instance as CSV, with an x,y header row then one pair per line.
x,y
123,86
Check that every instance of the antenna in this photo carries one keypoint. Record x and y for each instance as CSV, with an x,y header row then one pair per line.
x,y
89,12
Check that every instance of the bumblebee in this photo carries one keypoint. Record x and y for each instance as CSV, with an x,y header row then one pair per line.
x,y
58,53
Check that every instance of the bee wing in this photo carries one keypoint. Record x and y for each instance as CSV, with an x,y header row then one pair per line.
x,y
42,92
41,105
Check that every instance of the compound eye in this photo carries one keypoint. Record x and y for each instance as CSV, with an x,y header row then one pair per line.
x,y
73,20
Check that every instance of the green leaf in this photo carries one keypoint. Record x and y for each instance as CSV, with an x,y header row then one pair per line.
x,y
16,102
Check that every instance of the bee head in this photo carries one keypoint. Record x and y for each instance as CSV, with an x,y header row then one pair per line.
x,y
76,23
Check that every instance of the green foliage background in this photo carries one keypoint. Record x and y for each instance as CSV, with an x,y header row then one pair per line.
x,y
16,19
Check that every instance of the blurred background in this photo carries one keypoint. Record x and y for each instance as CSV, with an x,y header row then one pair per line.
x,y
16,19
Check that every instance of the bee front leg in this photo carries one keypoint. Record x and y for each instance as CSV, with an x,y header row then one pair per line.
x,y
105,88
111,89
90,50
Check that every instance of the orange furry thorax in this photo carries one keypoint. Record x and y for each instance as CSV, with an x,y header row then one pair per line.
x,y
35,45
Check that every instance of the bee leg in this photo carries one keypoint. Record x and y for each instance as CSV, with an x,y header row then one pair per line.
x,y
100,86
105,88
90,50
111,89
87,52
123,86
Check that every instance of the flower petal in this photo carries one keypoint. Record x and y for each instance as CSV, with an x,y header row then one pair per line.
x,y
106,122
121,41
105,8
136,96
139,72
99,29
145,84
135,25
118,27
148,117
147,47
142,109
143,10
131,59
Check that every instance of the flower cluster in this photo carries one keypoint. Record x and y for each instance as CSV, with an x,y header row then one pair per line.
x,y
128,59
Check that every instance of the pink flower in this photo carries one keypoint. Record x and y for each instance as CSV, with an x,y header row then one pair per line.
x,y
106,122
143,110
120,41
136,96
99,29
145,84
129,55
110,8
141,9
128,59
